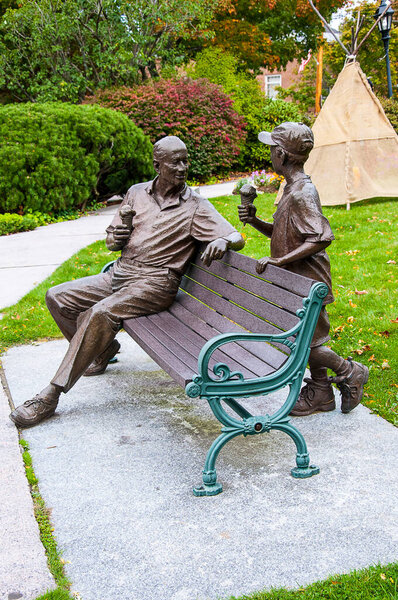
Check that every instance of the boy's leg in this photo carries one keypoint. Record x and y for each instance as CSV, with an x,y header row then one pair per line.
x,y
318,394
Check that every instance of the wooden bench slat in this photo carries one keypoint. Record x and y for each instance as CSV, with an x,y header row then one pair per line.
x,y
282,277
270,292
186,350
196,333
236,314
212,323
277,316
178,370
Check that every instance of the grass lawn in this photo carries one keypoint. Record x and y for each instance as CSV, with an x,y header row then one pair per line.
x,y
364,322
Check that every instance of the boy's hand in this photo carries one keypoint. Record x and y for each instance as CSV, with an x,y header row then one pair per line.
x,y
247,213
267,260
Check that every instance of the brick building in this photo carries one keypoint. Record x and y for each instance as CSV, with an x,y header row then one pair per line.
x,y
269,80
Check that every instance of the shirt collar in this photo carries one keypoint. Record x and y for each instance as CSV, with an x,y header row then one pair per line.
x,y
184,194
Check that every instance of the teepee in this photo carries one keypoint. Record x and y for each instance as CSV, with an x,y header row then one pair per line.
x,y
355,155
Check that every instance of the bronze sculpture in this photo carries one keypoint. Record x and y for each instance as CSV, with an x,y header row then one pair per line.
x,y
299,235
157,229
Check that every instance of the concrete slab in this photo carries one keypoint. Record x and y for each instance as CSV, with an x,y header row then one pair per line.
x,y
218,189
29,257
117,463
23,566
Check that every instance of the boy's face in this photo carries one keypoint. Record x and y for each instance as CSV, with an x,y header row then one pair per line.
x,y
277,159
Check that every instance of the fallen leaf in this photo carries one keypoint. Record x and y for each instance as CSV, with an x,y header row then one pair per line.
x,y
351,303
391,262
385,333
372,358
350,319
394,320
361,292
385,365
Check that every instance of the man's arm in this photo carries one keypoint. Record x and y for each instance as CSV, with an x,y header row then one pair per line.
x,y
247,214
306,249
217,248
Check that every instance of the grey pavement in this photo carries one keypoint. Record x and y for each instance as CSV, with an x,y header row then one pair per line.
x,y
117,463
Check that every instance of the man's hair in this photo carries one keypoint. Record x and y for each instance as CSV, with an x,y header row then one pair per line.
x,y
170,143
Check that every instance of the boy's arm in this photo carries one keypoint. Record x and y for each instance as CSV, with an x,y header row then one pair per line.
x,y
306,249
247,214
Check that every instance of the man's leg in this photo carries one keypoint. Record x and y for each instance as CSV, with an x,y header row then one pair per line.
x,y
96,328
66,302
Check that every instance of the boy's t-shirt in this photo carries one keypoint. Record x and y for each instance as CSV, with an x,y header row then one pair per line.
x,y
299,219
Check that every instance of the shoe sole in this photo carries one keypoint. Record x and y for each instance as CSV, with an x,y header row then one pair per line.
x,y
26,425
324,408
365,381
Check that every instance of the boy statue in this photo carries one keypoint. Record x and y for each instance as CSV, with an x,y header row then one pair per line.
x,y
299,235
157,230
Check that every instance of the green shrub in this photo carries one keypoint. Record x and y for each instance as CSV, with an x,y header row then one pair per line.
x,y
390,106
197,111
58,156
274,113
221,67
12,223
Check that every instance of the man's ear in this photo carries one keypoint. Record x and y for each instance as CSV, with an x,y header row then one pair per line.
x,y
156,166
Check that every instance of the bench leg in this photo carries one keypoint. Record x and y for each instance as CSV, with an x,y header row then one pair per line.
x,y
210,487
303,468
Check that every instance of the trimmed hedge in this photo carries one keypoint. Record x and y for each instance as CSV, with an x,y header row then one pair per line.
x,y
12,223
57,156
197,111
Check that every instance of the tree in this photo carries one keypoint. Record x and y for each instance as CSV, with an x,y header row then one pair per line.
x,y
269,33
371,54
63,49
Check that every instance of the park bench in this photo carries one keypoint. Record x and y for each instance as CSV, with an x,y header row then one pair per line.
x,y
231,333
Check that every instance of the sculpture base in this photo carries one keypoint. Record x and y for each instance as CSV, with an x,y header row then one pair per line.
x,y
303,472
207,490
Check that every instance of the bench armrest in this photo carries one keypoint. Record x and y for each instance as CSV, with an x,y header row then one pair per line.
x,y
229,383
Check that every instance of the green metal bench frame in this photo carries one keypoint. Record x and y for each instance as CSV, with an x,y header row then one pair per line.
x,y
220,385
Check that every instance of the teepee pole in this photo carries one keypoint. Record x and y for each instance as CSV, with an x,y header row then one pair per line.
x,y
319,74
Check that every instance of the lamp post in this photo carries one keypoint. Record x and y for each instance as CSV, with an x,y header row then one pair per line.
x,y
384,26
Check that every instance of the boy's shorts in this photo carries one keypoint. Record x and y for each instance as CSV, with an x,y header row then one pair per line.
x,y
321,333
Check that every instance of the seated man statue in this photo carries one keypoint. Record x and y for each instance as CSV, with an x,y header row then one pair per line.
x,y
168,220
299,235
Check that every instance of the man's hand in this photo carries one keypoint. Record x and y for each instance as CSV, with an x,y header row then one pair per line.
x,y
215,250
247,214
267,260
121,234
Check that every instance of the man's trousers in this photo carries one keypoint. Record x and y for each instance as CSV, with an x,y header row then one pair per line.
x,y
90,311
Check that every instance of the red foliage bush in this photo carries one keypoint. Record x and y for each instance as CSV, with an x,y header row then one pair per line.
x,y
197,111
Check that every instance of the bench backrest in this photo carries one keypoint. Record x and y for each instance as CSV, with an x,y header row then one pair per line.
x,y
265,303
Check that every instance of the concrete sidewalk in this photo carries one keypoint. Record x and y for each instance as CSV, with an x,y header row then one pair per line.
x,y
117,463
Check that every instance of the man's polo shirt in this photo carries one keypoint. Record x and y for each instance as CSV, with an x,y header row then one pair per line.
x,y
167,236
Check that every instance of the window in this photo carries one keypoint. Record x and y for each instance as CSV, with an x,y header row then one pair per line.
x,y
271,82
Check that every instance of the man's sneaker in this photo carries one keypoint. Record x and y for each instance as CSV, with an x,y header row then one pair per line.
x,y
314,397
99,365
351,386
33,411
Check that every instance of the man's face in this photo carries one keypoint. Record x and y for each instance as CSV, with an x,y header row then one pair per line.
x,y
173,168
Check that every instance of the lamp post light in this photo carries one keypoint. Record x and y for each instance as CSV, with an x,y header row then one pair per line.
x,y
384,26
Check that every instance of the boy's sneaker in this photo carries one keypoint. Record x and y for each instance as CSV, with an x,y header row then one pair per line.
x,y
351,386
314,397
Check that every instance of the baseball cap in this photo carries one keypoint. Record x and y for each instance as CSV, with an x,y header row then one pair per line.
x,y
295,138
